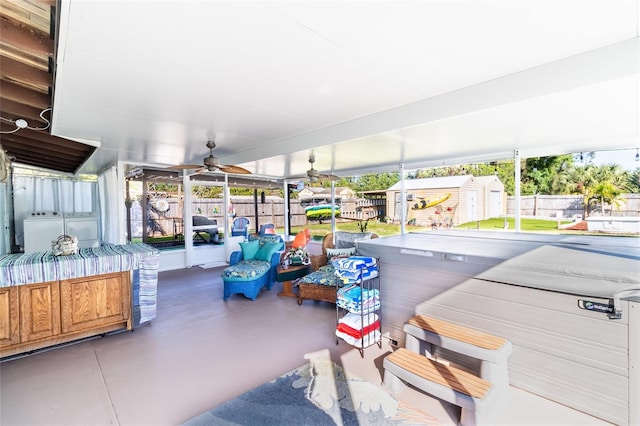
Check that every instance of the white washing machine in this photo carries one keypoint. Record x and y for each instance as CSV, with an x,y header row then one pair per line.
x,y
40,229
83,226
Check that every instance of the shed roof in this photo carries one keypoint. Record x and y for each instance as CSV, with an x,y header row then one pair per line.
x,y
485,180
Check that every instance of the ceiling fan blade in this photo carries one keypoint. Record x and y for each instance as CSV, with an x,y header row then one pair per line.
x,y
236,170
184,167
297,177
315,178
327,177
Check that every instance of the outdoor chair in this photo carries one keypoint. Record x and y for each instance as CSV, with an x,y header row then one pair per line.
x,y
240,227
322,283
200,234
267,228
253,267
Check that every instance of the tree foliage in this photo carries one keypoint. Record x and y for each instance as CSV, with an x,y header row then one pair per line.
x,y
370,182
538,174
555,175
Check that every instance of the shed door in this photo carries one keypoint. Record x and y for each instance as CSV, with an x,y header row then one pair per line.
x,y
495,204
472,206
397,211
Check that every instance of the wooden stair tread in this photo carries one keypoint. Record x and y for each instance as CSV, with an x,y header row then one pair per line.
x,y
457,332
454,378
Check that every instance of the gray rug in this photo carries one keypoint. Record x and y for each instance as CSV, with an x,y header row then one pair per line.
x,y
318,393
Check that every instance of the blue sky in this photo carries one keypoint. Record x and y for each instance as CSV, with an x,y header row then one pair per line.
x,y
624,158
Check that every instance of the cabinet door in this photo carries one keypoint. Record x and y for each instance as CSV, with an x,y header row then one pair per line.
x,y
9,316
96,301
39,311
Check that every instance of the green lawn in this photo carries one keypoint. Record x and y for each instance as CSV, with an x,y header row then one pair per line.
x,y
319,230
525,224
386,229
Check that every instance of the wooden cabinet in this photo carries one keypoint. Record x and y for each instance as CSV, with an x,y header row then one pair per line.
x,y
39,311
35,316
96,301
9,316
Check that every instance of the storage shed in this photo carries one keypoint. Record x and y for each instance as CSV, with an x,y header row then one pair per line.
x,y
448,201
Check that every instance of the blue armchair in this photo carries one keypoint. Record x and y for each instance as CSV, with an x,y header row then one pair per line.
x,y
267,228
240,227
253,267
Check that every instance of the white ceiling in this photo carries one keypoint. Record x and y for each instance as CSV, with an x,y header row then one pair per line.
x,y
369,85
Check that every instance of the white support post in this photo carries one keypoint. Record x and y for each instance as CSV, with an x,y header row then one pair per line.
x,y
516,179
227,223
333,202
403,202
287,211
122,211
187,221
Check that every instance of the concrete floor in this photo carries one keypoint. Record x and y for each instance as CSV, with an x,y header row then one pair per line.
x,y
199,352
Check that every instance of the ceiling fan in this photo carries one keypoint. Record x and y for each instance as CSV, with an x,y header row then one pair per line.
x,y
316,176
212,164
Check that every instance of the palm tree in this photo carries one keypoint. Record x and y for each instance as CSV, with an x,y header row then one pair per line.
x,y
608,193
581,181
611,184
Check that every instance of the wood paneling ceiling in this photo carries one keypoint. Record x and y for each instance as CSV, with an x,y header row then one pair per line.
x,y
27,47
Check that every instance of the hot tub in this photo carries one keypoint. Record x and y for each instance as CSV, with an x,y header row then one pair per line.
x,y
569,304
620,224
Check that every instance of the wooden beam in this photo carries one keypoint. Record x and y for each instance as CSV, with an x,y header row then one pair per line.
x,y
42,158
25,40
71,147
23,95
33,158
28,13
14,110
40,62
26,144
39,156
16,70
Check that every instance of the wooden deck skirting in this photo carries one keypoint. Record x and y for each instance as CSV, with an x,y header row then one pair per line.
x,y
452,377
458,332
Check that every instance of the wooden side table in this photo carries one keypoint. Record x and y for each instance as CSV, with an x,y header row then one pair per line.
x,y
286,277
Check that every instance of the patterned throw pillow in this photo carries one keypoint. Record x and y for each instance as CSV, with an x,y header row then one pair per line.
x,y
269,238
333,254
345,239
